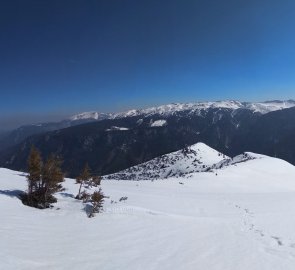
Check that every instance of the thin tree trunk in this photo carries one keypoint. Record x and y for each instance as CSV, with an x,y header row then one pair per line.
x,y
80,190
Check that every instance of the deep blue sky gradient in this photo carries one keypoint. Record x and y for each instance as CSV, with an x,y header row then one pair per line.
x,y
60,57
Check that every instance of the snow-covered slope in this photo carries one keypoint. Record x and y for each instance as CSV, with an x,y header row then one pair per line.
x,y
196,158
242,218
192,108
158,123
237,159
114,128
90,115
270,106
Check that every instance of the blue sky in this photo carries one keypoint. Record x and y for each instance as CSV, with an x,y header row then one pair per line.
x,y
60,57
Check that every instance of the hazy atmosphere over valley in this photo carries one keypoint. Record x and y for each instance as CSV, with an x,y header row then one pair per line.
x,y
147,134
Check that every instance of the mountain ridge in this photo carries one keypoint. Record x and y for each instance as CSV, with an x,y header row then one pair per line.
x,y
260,107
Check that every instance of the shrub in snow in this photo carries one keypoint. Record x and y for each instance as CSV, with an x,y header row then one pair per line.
x,y
122,199
85,196
86,180
96,200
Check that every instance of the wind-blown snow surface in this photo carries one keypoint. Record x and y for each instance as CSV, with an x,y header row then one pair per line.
x,y
240,219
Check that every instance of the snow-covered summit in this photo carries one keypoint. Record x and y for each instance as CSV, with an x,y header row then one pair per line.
x,y
196,158
191,108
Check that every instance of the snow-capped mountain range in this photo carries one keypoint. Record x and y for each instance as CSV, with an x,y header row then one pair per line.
x,y
193,108
175,109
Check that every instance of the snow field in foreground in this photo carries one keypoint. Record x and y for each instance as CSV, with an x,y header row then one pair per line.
x,y
241,218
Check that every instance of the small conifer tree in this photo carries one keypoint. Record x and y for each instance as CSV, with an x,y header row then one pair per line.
x,y
43,180
95,181
52,177
97,199
34,173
